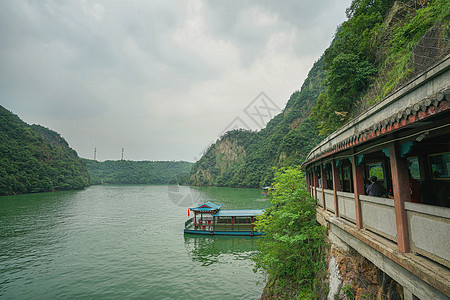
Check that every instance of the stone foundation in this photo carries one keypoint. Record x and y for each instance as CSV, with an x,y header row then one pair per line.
x,y
352,275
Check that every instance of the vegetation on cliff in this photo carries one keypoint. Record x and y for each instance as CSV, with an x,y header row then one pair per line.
x,y
136,172
291,251
36,159
382,45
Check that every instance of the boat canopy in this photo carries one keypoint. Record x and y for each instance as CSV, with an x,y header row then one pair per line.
x,y
239,213
207,207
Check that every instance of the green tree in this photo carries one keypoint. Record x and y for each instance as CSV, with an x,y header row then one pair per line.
x,y
291,250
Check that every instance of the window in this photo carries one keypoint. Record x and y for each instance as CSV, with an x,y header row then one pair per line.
x,y
376,169
347,173
243,220
346,183
440,165
224,220
413,166
329,176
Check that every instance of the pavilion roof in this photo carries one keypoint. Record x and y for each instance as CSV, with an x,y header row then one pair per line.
x,y
207,207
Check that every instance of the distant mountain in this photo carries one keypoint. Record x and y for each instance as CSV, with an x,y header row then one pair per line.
x,y
36,159
137,172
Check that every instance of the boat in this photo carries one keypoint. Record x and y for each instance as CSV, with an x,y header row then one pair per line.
x,y
265,190
210,219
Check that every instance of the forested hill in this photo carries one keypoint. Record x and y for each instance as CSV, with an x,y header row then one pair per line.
x,y
136,172
36,159
382,45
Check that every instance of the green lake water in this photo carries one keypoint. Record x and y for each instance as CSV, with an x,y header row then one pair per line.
x,y
123,242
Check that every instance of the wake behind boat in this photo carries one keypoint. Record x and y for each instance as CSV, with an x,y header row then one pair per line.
x,y
210,218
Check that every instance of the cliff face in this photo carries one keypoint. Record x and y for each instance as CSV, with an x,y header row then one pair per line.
x,y
351,276
220,160
36,159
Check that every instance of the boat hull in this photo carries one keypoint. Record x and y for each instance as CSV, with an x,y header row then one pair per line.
x,y
218,232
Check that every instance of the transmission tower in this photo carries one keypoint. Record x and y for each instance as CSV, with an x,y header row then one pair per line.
x,y
122,153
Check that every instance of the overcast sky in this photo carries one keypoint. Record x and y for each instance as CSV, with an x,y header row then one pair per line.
x,y
162,79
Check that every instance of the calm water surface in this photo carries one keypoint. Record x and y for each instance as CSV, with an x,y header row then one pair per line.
x,y
114,242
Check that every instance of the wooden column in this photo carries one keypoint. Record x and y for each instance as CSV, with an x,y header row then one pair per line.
x,y
336,187
322,178
401,190
308,183
358,188
315,183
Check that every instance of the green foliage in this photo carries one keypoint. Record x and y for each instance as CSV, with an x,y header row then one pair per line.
x,y
297,143
137,172
36,159
347,79
349,291
350,63
374,45
291,250
405,37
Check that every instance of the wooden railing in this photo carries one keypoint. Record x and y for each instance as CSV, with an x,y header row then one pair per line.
x,y
188,222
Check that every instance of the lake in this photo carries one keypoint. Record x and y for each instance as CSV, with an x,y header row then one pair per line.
x,y
116,242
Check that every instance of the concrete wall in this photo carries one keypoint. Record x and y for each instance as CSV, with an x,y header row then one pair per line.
x,y
378,215
329,200
424,220
346,204
319,197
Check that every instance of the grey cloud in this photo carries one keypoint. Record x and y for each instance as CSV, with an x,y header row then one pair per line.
x,y
136,69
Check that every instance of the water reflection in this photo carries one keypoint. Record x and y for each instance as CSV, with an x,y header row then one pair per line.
x,y
231,198
209,250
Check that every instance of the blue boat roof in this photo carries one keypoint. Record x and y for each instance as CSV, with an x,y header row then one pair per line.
x,y
238,213
208,206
